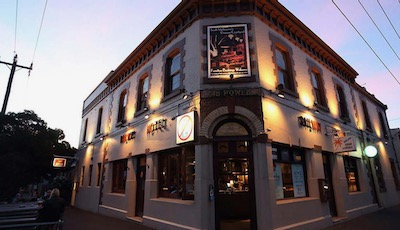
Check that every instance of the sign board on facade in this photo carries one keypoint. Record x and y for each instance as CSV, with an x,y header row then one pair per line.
x,y
228,51
160,124
344,144
59,162
185,128
309,124
127,137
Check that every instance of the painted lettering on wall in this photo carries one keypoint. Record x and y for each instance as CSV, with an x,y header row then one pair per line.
x,y
158,125
127,137
309,124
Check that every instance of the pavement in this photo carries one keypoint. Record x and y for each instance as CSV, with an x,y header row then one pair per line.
x,y
78,219
387,219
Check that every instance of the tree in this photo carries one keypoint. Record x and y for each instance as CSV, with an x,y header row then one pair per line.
x,y
27,146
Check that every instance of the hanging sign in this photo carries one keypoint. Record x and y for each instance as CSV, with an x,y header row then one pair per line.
x,y
59,162
344,144
185,128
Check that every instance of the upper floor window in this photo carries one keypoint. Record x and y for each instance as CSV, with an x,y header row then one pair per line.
x,y
173,74
318,88
366,115
123,98
85,130
344,112
99,119
143,93
384,131
284,68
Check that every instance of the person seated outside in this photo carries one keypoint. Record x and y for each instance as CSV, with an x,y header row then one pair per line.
x,y
53,208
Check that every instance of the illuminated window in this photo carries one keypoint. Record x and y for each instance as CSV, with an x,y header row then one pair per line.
x,y
143,93
344,112
177,173
99,119
122,106
350,167
85,130
119,176
289,172
366,115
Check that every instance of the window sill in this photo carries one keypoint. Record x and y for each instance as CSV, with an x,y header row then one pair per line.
x,y
116,194
172,200
295,200
322,108
172,94
345,119
289,92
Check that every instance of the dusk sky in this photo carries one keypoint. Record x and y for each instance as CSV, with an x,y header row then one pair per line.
x,y
82,41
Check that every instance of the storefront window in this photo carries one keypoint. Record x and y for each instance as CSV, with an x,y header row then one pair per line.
x,y
350,167
177,173
289,172
119,176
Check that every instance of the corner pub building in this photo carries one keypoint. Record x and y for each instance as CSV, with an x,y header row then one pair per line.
x,y
234,114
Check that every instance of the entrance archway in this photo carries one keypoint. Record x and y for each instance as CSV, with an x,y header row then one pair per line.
x,y
233,176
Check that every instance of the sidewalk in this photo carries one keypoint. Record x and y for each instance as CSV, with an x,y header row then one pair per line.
x,y
77,219
387,219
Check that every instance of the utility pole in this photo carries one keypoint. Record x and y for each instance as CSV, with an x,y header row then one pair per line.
x,y
10,79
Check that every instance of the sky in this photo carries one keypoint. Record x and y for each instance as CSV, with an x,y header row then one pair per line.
x,y
80,42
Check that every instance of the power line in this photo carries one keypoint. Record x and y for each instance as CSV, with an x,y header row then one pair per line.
x,y
40,29
388,18
379,30
15,29
366,42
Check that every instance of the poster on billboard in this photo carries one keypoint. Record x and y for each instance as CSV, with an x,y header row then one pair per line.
x,y
228,51
185,128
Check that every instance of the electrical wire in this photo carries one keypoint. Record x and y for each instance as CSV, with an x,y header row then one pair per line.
x,y
388,18
379,30
383,63
16,26
40,29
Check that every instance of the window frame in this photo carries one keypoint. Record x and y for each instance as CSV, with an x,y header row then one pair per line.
x,y
118,183
99,120
122,103
367,118
342,102
176,49
99,168
289,87
351,166
384,131
164,178
85,130
292,152
90,175
317,83
143,96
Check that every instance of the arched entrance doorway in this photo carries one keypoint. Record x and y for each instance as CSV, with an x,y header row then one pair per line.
x,y
234,176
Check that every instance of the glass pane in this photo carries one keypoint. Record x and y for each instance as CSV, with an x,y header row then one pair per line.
x,y
232,129
281,76
314,80
241,146
175,63
223,147
176,82
280,59
190,172
145,85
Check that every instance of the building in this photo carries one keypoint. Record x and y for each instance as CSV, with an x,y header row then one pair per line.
x,y
234,113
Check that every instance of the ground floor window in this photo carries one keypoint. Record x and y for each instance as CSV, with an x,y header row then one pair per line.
x,y
82,175
350,167
289,171
119,176
177,173
394,172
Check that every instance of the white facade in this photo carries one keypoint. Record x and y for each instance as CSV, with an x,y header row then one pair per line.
x,y
233,111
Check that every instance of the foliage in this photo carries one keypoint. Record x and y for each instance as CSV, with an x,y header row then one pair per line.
x,y
27,146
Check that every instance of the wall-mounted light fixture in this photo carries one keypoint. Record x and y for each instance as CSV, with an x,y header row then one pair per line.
x,y
370,151
186,94
148,115
279,91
